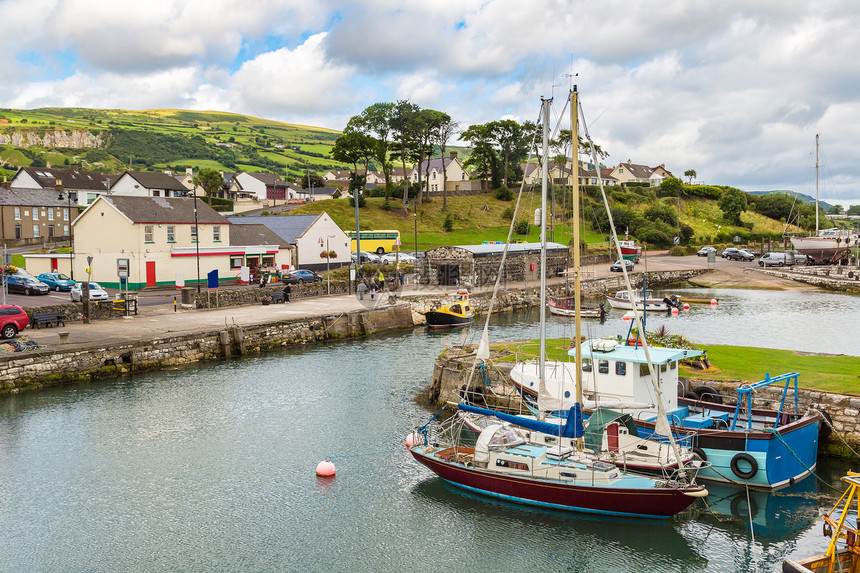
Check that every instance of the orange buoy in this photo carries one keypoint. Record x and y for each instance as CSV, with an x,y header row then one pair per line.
x,y
686,306
713,301
414,439
325,469
674,311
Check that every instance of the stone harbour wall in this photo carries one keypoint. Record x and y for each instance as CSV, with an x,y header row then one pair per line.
x,y
40,368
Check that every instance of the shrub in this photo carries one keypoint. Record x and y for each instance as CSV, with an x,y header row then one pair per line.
x,y
677,251
504,194
508,213
386,205
448,224
522,227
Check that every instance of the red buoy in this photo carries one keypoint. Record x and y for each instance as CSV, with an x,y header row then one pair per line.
x,y
325,469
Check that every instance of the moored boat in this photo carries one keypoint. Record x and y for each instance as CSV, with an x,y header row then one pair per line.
x,y
622,301
566,306
828,246
630,250
450,314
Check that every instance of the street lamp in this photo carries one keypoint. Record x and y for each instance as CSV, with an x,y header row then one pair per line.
x,y
68,198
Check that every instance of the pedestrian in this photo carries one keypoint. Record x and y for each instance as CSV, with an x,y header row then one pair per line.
x,y
287,291
362,288
262,280
381,280
400,276
372,288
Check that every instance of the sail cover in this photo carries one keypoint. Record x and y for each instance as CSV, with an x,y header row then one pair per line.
x,y
572,427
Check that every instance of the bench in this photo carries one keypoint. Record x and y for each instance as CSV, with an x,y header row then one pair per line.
x,y
48,319
277,296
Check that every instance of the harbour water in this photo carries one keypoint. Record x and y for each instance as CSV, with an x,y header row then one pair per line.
x,y
211,468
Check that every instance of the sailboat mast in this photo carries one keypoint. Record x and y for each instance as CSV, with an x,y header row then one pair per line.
x,y
577,284
816,184
543,192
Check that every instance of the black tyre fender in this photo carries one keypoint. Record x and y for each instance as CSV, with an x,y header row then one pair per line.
x,y
824,429
744,457
691,396
708,394
700,453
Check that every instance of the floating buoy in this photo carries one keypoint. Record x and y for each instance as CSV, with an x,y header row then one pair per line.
x,y
713,302
414,439
625,317
325,469
674,310
686,306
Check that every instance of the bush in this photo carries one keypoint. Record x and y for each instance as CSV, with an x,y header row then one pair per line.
x,y
386,205
678,251
504,194
522,227
448,224
508,213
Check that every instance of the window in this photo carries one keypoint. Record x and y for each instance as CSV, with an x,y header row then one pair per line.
x,y
11,311
603,366
643,369
193,234
51,231
621,368
586,365
91,197
35,213
662,367
65,214
673,364
236,262
50,214
171,234
268,261
66,230
17,213
156,193
35,231
147,234
216,233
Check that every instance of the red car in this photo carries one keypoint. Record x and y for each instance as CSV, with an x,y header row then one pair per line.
x,y
13,320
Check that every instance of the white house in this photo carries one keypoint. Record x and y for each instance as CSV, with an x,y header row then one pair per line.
x,y
146,184
431,172
84,186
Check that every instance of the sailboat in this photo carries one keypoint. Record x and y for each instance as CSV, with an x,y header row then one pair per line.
x,y
507,462
827,245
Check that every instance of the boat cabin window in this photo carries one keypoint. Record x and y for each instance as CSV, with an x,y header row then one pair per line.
x,y
663,367
456,309
466,309
673,364
603,366
643,369
586,365
512,464
621,368
550,439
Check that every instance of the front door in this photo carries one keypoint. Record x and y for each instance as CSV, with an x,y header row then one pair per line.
x,y
54,263
150,273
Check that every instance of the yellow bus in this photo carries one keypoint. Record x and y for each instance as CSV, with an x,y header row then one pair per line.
x,y
376,241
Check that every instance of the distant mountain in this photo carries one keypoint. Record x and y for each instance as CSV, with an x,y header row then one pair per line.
x,y
801,196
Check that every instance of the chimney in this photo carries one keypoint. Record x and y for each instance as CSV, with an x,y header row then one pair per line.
x,y
75,166
189,171
168,171
453,155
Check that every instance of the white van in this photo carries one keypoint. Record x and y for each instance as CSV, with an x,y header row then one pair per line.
x,y
776,260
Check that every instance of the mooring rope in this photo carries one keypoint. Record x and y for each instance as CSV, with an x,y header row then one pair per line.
x,y
778,435
834,430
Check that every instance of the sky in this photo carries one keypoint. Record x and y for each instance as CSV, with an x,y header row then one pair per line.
x,y
733,89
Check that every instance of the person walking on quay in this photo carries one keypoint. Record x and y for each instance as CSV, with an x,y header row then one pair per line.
x,y
381,280
372,288
287,290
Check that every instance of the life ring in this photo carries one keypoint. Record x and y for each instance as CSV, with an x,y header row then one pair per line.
x,y
743,456
700,453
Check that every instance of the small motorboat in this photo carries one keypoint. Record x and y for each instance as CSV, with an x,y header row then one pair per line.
x,y
622,301
838,526
450,314
566,306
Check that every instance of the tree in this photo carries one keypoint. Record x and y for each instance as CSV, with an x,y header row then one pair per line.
x,y
483,160
733,202
853,210
210,181
405,126
375,122
512,140
672,186
776,206
352,147
429,122
835,210
446,130
311,180
691,173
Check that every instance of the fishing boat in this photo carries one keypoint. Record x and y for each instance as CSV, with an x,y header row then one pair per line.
x,y
827,245
508,462
566,306
450,314
682,298
762,448
842,529
630,250
622,301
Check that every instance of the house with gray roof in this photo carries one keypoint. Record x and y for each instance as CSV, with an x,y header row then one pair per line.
x,y
84,186
148,184
34,216
309,236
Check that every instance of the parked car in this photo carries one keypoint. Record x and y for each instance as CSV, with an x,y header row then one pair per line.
x,y
96,292
56,281
13,320
26,284
776,260
367,257
703,252
391,258
734,254
748,254
616,266
300,276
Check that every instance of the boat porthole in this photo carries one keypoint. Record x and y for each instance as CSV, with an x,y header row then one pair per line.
x,y
744,457
567,394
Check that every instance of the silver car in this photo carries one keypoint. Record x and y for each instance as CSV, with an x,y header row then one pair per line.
x,y
96,292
